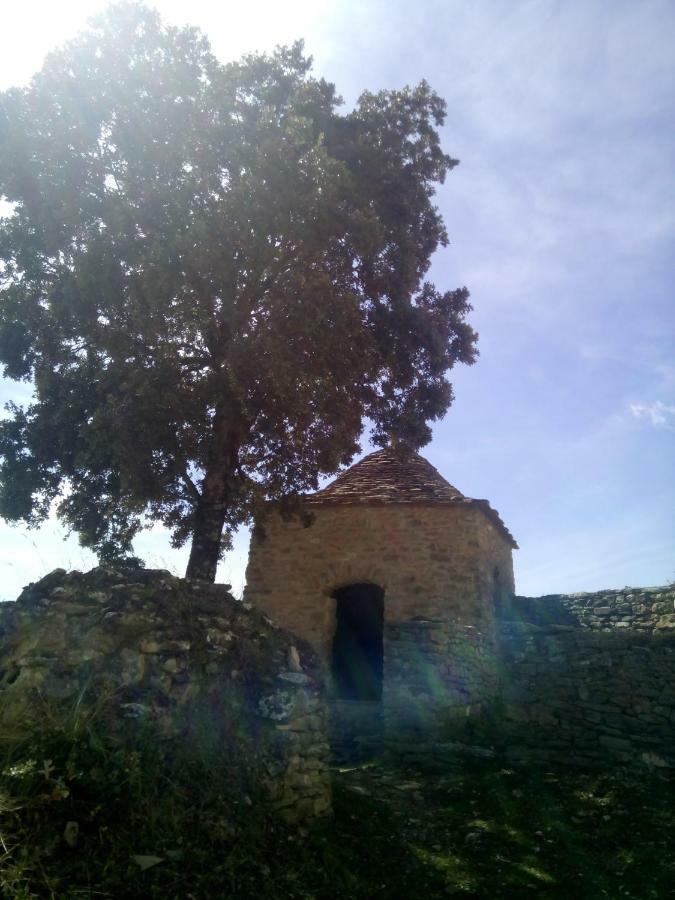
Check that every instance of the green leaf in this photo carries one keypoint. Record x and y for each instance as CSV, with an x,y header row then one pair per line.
x,y
147,862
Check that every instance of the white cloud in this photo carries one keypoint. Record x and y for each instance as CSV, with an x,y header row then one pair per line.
x,y
658,413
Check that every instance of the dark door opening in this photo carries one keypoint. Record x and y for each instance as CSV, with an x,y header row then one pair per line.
x,y
357,645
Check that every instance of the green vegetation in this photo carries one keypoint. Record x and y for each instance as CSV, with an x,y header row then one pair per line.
x,y
83,815
482,830
213,278
82,818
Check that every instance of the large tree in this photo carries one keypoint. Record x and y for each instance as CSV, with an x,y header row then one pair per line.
x,y
212,279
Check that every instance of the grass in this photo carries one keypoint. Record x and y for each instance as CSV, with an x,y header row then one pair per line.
x,y
481,830
81,818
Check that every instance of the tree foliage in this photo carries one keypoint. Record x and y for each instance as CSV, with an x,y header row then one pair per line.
x,y
212,278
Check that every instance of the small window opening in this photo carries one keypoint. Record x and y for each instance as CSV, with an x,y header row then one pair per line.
x,y
357,645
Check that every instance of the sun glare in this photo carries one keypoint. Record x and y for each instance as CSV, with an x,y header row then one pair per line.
x,y
34,28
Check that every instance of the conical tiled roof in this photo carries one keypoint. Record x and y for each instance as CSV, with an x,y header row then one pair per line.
x,y
390,476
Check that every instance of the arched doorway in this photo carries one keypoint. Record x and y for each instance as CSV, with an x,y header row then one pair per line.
x,y
357,657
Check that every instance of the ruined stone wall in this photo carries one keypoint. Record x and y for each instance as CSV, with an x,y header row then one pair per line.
x,y
173,657
585,679
589,678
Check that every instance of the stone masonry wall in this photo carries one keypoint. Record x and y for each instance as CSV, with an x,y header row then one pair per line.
x,y
638,609
432,561
589,678
437,671
440,674
436,565
174,656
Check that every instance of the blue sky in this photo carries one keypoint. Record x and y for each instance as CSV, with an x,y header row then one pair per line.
x,y
562,225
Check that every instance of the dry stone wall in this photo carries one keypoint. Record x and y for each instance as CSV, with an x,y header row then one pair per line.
x,y
173,656
586,679
589,678
638,609
440,672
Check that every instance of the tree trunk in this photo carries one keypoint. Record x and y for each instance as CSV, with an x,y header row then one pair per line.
x,y
215,496
205,549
